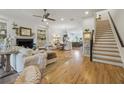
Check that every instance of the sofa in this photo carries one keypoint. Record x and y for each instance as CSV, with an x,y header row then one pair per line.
x,y
25,57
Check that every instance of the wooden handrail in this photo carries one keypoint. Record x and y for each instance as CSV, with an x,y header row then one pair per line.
x,y
91,46
116,30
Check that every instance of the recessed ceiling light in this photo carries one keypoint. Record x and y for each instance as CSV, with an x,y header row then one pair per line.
x,y
62,19
86,12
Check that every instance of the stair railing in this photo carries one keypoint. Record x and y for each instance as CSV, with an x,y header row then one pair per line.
x,y
116,30
91,45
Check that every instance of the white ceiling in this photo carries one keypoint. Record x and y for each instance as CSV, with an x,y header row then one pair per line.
x,y
26,14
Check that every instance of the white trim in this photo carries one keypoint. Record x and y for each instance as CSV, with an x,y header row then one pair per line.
x,y
24,37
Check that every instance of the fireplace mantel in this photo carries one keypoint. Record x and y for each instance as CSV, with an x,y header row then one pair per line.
x,y
24,37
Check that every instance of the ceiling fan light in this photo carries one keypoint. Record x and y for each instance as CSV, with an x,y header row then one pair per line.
x,y
44,19
62,19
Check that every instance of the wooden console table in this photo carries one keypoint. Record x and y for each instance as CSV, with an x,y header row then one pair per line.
x,y
6,64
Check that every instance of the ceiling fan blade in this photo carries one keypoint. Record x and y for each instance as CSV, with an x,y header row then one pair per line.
x,y
46,16
37,16
45,10
51,19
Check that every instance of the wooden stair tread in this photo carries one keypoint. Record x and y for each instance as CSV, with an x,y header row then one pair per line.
x,y
103,28
103,38
111,55
102,20
106,30
99,31
105,43
103,25
105,47
116,51
100,23
108,59
104,33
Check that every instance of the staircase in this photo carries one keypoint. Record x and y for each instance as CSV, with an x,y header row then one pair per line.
x,y
105,48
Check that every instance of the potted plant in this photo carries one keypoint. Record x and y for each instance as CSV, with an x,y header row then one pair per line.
x,y
86,30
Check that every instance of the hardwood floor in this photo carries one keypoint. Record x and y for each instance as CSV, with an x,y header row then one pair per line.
x,y
72,68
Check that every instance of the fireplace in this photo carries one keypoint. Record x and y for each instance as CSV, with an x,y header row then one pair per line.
x,y
27,43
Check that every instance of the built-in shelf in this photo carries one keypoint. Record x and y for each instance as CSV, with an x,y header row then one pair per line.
x,y
41,37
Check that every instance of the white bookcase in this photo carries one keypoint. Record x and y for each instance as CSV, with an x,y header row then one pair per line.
x,y
86,43
41,37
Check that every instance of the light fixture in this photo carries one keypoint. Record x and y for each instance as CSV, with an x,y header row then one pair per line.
x,y
62,19
44,19
86,12
15,26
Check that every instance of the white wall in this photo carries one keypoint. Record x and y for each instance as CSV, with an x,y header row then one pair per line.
x,y
104,15
88,23
118,18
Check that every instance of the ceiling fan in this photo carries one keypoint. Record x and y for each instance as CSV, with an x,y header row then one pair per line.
x,y
45,16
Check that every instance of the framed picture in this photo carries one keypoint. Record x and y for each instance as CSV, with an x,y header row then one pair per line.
x,y
25,31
